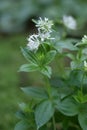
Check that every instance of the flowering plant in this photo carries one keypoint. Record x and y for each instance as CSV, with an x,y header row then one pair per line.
x,y
62,102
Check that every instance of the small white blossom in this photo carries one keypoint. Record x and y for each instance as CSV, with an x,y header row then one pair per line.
x,y
44,25
69,22
84,39
44,35
33,42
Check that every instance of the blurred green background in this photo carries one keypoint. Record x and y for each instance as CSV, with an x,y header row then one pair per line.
x,y
15,26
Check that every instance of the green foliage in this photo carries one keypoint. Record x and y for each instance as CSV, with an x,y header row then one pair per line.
x,y
50,56
65,44
43,113
83,117
30,56
68,107
22,125
46,71
67,97
29,67
35,92
39,61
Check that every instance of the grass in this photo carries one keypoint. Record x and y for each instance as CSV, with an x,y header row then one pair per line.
x,y
10,94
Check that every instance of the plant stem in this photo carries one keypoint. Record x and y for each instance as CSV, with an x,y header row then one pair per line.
x,y
48,87
54,123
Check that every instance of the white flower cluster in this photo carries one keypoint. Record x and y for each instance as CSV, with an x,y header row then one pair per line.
x,y
33,42
69,22
44,33
84,39
44,25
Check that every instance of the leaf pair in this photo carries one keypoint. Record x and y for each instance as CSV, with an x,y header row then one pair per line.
x,y
36,63
46,107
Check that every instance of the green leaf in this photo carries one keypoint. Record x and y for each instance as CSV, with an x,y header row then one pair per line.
x,y
85,98
65,44
29,55
80,97
65,91
20,114
71,56
35,92
82,44
68,107
22,125
84,51
75,78
82,117
50,56
76,64
58,82
29,67
43,113
83,121
46,71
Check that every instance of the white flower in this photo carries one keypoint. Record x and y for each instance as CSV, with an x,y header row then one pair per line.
x,y
33,42
69,22
44,25
44,35
84,39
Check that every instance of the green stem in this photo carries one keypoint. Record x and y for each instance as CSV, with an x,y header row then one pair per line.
x,y
54,123
48,88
